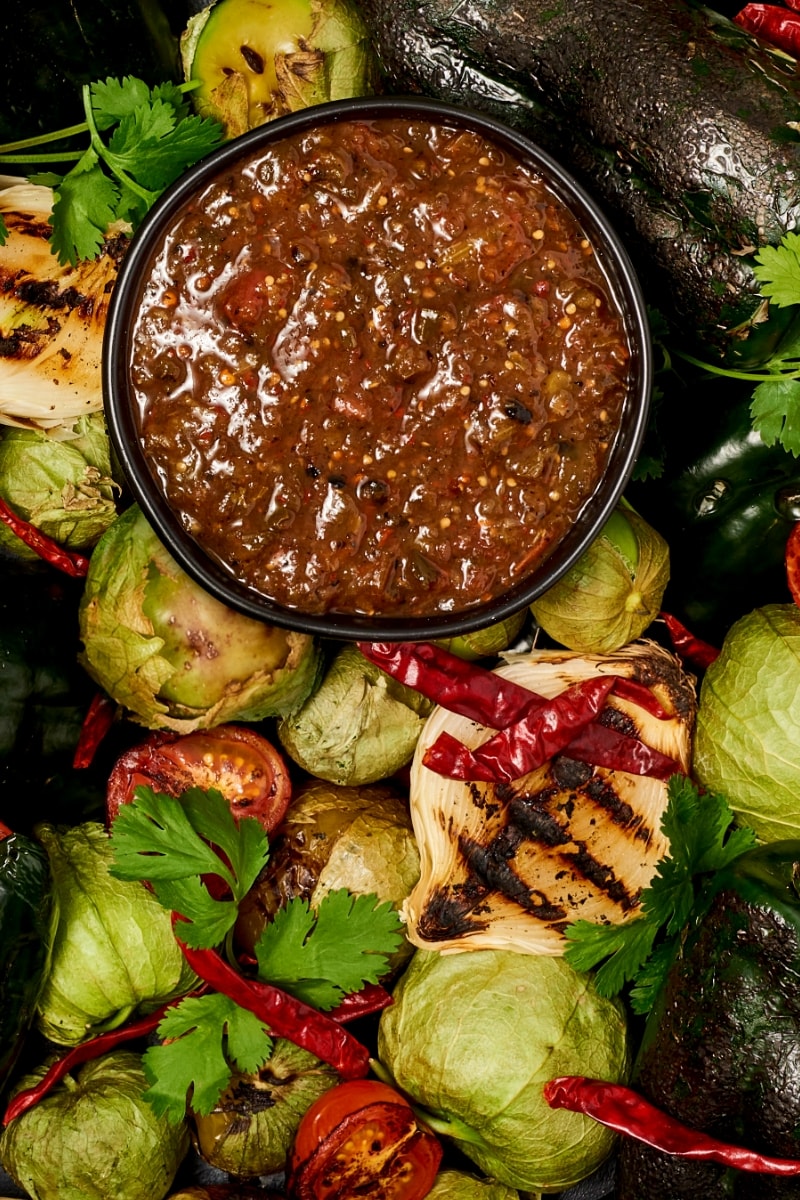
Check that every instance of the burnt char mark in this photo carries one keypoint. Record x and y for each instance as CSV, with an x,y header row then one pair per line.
x,y
490,863
27,343
620,722
453,912
601,793
45,294
529,814
569,773
601,876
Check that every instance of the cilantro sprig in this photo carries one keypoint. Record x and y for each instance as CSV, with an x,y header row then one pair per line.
x,y
775,405
180,847
640,950
140,140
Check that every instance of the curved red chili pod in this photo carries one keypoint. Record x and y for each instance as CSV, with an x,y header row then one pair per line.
x,y
528,743
96,724
284,1015
691,649
67,561
626,1111
85,1052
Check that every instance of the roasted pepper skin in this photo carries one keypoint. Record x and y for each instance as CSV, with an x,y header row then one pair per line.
x,y
721,1048
725,503
27,920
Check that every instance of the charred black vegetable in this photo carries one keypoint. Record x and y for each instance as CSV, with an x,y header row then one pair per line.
x,y
680,123
722,1044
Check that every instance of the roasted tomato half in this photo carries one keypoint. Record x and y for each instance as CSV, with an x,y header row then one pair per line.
x,y
236,760
363,1139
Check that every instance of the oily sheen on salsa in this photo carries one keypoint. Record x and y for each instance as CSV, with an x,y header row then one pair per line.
x,y
378,368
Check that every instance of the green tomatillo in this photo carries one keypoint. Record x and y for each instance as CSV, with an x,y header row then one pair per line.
x,y
613,592
94,1136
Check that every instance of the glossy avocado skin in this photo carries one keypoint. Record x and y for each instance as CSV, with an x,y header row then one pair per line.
x,y
678,122
721,1047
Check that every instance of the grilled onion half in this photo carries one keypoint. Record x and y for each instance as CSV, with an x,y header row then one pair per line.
x,y
52,318
509,865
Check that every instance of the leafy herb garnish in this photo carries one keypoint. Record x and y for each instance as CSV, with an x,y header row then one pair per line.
x,y
319,956
205,1036
640,950
140,140
775,406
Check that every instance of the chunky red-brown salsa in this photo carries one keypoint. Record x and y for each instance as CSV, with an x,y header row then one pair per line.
x,y
378,369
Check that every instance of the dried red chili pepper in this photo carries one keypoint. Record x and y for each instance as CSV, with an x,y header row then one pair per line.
x,y
528,743
71,564
603,747
792,556
772,23
286,1016
96,724
461,687
475,692
627,1112
85,1052
371,999
693,650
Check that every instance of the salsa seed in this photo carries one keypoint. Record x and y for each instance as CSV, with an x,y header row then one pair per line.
x,y
537,235
445,523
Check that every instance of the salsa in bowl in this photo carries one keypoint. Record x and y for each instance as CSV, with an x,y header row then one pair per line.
x,y
377,369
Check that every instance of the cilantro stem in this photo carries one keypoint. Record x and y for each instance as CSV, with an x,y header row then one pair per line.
x,y
103,153
42,139
732,373
56,156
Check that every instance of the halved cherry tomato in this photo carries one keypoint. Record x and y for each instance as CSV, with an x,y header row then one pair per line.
x,y
362,1138
793,562
236,760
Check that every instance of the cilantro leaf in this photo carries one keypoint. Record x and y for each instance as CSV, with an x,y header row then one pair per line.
x,y
640,950
84,205
775,411
621,949
113,99
777,269
169,842
3,231
321,957
208,921
204,1039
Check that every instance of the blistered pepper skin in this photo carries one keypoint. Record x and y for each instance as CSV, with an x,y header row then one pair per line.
x,y
721,1047
26,927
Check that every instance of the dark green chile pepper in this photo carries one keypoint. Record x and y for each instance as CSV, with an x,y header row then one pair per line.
x,y
721,1047
725,504
27,920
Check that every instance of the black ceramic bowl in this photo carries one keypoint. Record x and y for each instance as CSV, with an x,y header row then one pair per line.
x,y
216,578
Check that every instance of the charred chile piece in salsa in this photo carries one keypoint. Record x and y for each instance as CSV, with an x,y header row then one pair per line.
x,y
721,1047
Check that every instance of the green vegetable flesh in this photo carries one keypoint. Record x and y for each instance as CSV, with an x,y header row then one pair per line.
x,y
255,60
94,1137
473,1037
172,654
114,953
238,47
358,726
719,1050
748,721
623,94
54,486
251,1128
613,592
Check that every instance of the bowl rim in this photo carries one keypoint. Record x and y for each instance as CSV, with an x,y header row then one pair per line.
x,y
216,579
